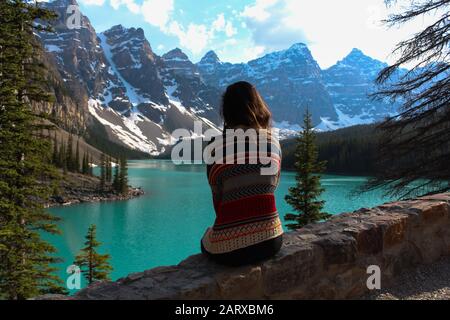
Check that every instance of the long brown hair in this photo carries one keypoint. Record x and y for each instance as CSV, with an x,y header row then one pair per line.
x,y
242,105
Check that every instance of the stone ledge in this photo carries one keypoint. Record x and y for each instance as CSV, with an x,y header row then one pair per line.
x,y
321,261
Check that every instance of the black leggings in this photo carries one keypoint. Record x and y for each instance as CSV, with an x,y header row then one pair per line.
x,y
248,255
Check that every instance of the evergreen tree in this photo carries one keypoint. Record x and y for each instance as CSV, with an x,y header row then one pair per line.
x,y
349,151
304,196
116,182
108,169
77,157
62,157
90,163
55,156
93,265
414,149
123,176
102,172
85,165
61,153
69,154
25,158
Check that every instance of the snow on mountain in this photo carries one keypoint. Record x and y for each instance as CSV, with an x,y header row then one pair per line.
x,y
178,62
140,97
154,87
350,83
289,81
209,63
184,84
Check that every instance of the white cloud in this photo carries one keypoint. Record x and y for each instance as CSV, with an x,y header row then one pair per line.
x,y
92,2
259,10
130,4
231,41
222,25
267,22
195,38
157,12
251,53
230,30
219,23
330,28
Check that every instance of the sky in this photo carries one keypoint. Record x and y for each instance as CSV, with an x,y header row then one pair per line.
x,y
242,30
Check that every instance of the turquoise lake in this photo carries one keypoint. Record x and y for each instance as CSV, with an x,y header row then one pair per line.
x,y
165,225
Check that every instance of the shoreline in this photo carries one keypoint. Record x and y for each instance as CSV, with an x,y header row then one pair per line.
x,y
76,188
63,201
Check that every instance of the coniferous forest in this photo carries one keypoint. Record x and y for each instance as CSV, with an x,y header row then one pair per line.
x,y
32,162
350,151
25,259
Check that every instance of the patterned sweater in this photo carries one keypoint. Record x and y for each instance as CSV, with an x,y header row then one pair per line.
x,y
244,200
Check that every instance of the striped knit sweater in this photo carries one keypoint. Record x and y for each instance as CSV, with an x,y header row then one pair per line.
x,y
244,201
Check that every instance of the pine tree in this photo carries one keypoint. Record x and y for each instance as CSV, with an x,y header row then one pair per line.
x,y
88,169
25,158
93,265
414,149
90,163
102,172
55,157
85,165
116,182
63,157
60,153
77,157
69,154
123,176
108,169
304,196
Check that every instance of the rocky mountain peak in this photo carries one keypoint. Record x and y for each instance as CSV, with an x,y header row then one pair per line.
x,y
140,97
116,28
175,54
357,59
131,32
119,31
299,47
356,52
129,39
210,56
350,82
178,62
297,54
61,3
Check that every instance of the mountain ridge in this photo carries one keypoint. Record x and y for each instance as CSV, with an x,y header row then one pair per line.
x,y
127,88
140,97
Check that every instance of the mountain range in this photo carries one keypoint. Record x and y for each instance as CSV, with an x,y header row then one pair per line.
x,y
112,87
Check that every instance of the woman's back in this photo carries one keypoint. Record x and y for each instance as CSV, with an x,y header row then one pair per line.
x,y
243,176
243,196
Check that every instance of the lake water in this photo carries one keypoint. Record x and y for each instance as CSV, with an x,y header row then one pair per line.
x,y
165,225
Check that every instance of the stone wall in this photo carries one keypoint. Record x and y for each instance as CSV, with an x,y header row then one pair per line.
x,y
322,261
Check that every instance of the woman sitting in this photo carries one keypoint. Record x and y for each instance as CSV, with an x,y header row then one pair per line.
x,y
247,228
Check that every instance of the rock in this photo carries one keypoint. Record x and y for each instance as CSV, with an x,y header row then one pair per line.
x,y
51,296
241,283
326,260
338,248
79,188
